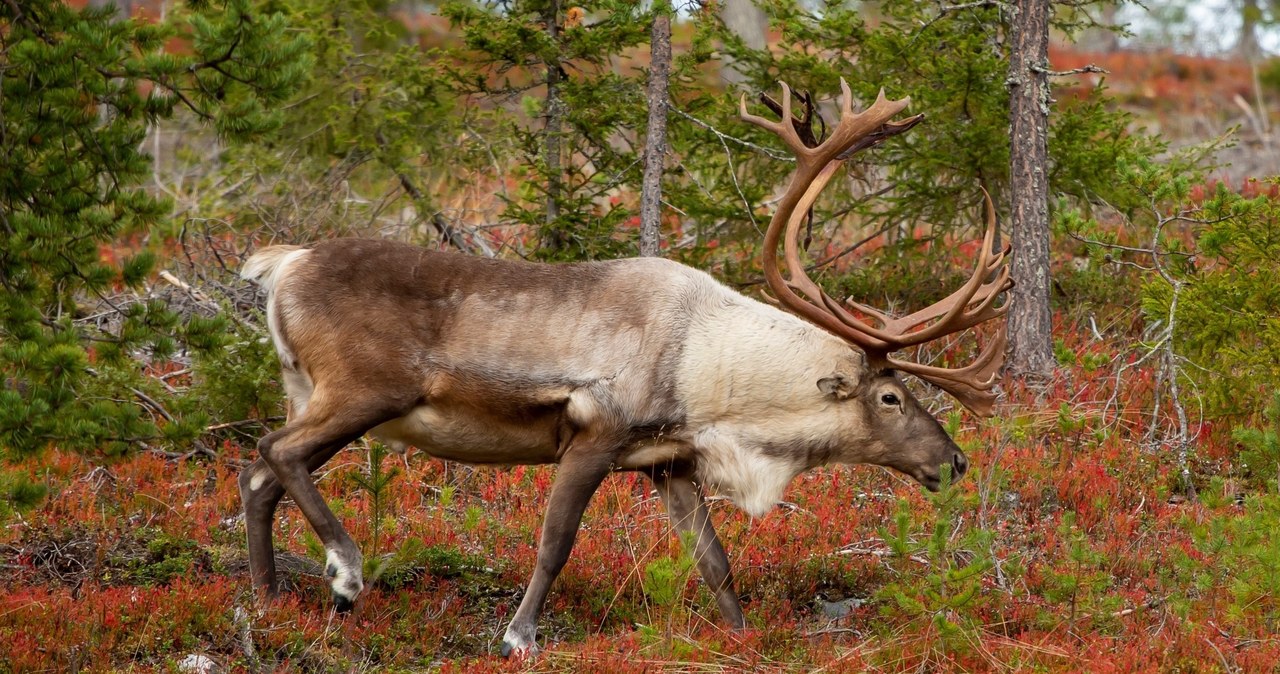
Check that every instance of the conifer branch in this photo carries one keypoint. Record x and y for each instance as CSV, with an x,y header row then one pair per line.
x,y
446,231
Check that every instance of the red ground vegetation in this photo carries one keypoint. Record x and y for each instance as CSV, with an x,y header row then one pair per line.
x,y
135,563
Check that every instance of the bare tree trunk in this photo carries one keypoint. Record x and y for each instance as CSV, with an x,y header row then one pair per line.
x,y
744,19
551,154
655,146
1250,15
1030,321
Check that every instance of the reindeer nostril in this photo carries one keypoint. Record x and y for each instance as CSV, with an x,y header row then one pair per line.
x,y
960,463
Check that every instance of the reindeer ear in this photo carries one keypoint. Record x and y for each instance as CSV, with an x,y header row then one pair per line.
x,y
838,386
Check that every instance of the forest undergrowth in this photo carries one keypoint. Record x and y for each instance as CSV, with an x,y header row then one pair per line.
x,y
1071,545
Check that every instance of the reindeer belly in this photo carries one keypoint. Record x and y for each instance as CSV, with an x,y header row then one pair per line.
x,y
470,438
654,455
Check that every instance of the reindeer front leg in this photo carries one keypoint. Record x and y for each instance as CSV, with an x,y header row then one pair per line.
x,y
688,511
582,468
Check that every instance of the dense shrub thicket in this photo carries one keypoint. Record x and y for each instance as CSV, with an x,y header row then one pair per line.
x,y
80,89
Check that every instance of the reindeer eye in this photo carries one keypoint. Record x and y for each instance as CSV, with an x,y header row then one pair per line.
x,y
889,399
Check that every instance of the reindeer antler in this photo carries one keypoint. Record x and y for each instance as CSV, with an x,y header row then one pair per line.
x,y
972,304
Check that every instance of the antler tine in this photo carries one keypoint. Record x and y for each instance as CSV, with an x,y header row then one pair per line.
x,y
954,305
970,305
958,312
846,325
783,129
846,99
852,127
972,384
979,375
966,307
803,125
898,329
791,250
814,168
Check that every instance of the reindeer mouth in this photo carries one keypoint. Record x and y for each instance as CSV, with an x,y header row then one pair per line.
x,y
933,480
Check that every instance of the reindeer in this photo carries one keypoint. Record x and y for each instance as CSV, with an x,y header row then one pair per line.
x,y
623,365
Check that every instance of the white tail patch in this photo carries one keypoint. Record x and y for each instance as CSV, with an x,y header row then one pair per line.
x,y
268,267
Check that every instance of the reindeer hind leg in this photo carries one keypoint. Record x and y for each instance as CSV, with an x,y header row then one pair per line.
x,y
260,494
260,491
293,453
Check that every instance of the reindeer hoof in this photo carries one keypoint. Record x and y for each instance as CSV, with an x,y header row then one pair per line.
x,y
344,584
515,644
518,652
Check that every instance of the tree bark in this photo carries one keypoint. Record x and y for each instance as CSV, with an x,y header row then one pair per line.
x,y
655,146
551,155
1030,320
744,19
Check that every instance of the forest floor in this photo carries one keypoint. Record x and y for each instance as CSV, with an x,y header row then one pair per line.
x,y
1073,545
1069,547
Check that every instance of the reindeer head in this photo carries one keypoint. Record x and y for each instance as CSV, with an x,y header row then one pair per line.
x,y
903,435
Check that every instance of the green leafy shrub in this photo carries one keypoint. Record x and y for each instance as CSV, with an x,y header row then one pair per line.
x,y
665,578
1220,255
664,582
1241,551
19,493
375,482
150,557
414,560
1080,581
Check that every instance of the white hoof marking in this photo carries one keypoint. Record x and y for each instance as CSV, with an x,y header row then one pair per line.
x,y
346,581
515,644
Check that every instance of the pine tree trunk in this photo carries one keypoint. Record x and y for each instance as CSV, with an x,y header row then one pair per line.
x,y
655,146
551,155
1030,321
